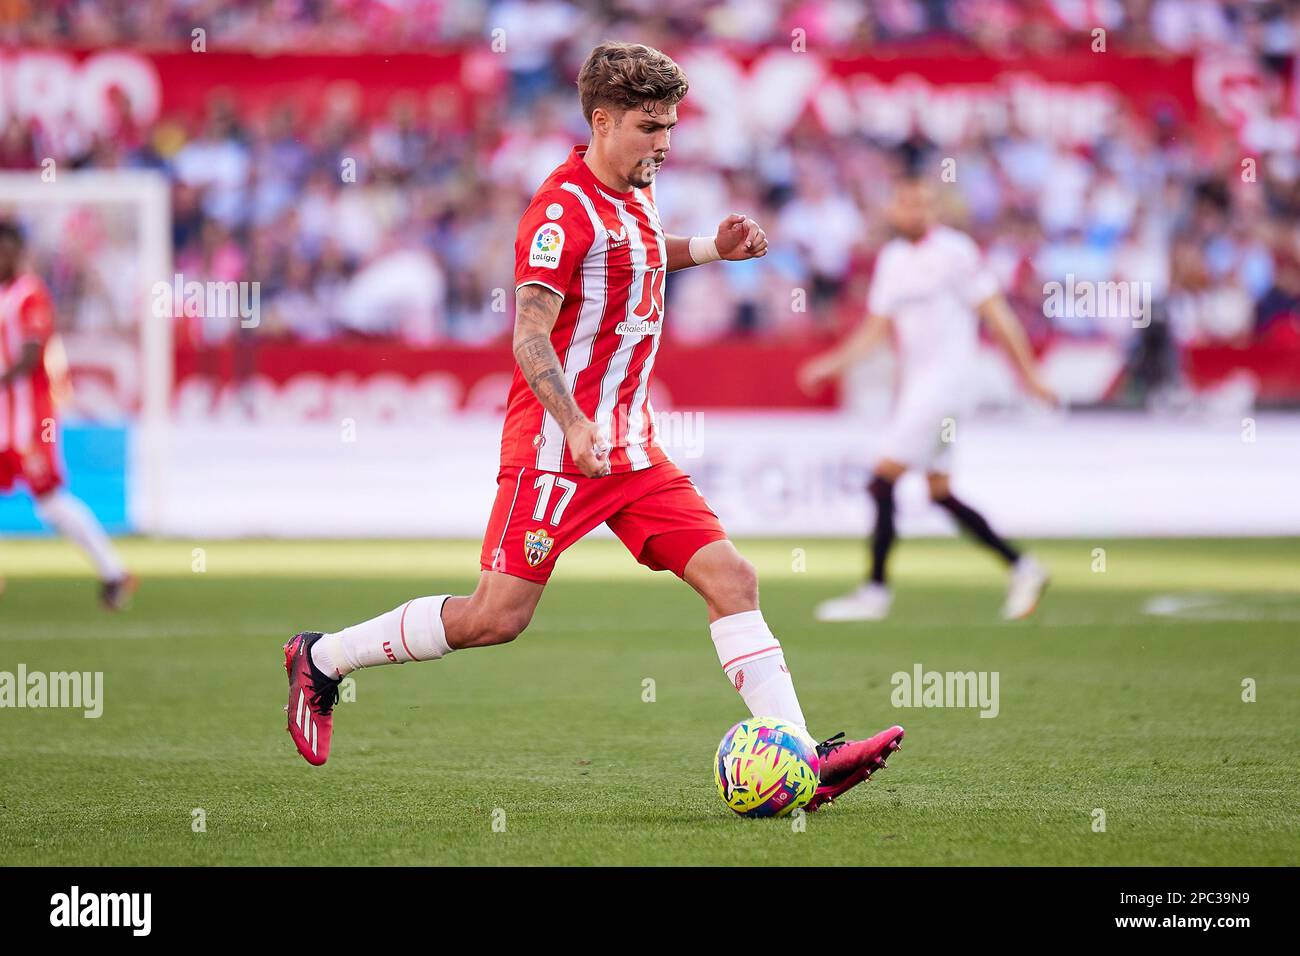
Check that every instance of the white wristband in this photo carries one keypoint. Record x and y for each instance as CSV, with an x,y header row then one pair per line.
x,y
703,249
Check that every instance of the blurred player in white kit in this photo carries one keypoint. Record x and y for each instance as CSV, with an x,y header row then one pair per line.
x,y
930,287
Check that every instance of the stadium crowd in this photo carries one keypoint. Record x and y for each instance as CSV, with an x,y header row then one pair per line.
x,y
1180,26
420,246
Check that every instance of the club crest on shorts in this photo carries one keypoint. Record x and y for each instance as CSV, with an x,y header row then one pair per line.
x,y
537,545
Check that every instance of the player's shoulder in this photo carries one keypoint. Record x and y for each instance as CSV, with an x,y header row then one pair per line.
x,y
956,240
28,287
558,202
30,284
891,253
559,199
554,225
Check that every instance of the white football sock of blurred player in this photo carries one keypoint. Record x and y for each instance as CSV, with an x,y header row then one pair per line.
x,y
69,516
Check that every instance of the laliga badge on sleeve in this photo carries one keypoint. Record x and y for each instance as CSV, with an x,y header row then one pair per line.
x,y
547,244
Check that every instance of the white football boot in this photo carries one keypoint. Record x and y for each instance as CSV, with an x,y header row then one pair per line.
x,y
1027,582
870,602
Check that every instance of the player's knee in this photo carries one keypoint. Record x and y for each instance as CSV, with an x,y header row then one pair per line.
x,y
939,489
747,581
735,587
504,627
497,626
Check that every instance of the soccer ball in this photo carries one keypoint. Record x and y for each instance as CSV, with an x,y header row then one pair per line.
x,y
766,767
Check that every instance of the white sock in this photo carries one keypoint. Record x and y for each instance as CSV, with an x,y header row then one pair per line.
x,y
753,661
72,519
411,632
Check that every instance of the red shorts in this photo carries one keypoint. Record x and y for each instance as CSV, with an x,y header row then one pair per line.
x,y
38,467
657,512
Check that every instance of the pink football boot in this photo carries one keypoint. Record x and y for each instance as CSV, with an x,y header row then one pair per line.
x,y
846,763
312,696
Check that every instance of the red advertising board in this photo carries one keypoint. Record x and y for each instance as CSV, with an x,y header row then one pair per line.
x,y
322,382
1073,97
61,90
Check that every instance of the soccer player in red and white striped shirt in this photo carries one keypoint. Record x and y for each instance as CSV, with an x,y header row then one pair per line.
x,y
579,448
28,417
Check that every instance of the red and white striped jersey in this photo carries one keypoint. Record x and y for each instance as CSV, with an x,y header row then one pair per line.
x,y
26,315
604,253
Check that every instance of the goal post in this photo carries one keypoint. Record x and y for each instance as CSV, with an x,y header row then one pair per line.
x,y
102,238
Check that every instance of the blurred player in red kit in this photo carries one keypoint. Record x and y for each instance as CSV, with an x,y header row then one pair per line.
x,y
30,377
579,446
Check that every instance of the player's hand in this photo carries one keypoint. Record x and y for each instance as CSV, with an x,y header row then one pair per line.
x,y
816,372
740,237
589,448
1043,392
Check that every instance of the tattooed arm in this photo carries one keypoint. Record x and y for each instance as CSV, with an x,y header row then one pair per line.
x,y
536,309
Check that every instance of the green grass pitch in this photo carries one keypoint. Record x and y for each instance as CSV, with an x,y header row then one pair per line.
x,y
546,752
